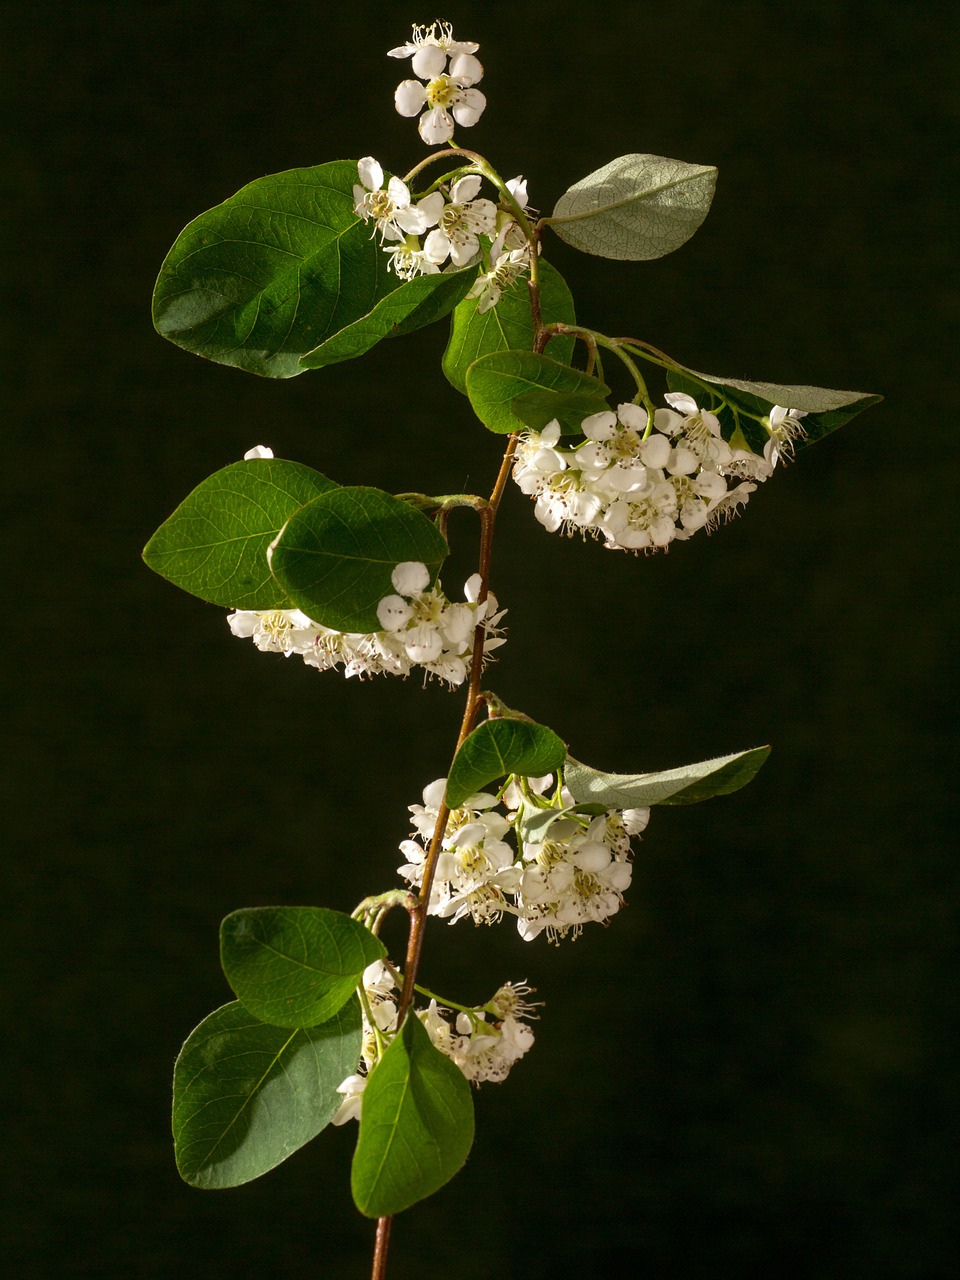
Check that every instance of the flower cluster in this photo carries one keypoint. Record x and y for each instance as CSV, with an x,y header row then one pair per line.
x,y
573,867
509,255
444,94
454,220
421,628
640,484
446,229
484,1041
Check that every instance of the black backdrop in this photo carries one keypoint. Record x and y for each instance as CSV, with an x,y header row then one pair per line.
x,y
755,1067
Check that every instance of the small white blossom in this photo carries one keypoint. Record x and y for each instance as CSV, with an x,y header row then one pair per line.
x,y
448,93
352,1090
489,1039
420,627
258,451
408,260
463,220
506,268
430,47
410,577
785,430
392,207
476,869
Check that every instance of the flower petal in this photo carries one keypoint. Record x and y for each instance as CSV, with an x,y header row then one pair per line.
x,y
409,97
464,68
435,127
429,61
370,173
468,110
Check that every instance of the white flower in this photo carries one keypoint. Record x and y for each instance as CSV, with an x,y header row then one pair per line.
x,y
506,268
352,1090
408,260
447,100
392,207
448,93
518,189
420,627
410,577
431,46
577,874
438,1029
258,451
698,431
484,1049
640,484
476,867
785,430
462,221
490,1049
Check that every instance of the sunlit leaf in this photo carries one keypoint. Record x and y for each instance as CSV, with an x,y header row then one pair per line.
x,y
825,410
215,543
494,382
336,555
283,276
295,966
416,1126
508,326
499,747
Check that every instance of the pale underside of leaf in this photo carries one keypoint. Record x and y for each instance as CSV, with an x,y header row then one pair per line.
x,y
636,208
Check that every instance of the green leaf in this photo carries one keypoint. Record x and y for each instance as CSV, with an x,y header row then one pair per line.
x,y
416,1125
494,383
415,303
533,824
500,747
215,543
508,326
295,966
247,1095
686,785
826,410
336,555
637,207
568,408
285,269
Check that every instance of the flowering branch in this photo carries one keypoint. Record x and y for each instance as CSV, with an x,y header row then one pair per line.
x,y
315,270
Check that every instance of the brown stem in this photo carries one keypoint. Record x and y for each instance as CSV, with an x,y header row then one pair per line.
x,y
418,916
381,1248
418,913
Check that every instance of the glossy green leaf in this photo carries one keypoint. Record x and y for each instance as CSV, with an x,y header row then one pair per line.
x,y
494,383
537,409
336,555
500,747
637,207
295,966
284,270
416,1125
508,326
825,410
215,543
247,1095
686,785
415,303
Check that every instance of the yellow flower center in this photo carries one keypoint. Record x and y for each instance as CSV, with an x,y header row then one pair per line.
x,y
443,92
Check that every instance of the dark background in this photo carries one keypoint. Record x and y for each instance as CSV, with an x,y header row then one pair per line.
x,y
755,1068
